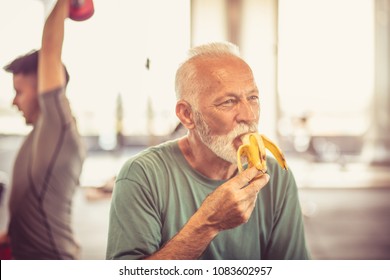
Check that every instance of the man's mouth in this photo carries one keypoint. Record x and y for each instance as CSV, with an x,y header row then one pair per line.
x,y
237,142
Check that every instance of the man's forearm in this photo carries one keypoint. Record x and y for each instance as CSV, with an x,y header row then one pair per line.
x,y
50,69
189,243
53,32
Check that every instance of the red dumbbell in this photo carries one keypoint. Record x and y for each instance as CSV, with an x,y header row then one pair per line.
x,y
81,9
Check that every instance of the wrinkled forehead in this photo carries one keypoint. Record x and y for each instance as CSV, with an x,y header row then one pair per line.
x,y
222,70
221,67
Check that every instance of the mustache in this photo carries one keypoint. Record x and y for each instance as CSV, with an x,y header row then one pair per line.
x,y
241,129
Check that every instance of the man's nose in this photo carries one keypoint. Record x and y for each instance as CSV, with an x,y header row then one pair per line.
x,y
15,102
247,112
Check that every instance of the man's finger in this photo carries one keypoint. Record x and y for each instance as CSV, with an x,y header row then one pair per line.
x,y
245,177
258,183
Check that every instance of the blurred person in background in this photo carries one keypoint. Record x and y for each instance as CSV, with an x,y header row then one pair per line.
x,y
5,252
184,199
49,162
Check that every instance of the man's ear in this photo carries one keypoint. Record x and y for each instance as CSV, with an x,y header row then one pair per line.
x,y
185,114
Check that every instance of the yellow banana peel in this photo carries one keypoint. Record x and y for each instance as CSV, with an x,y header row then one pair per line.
x,y
254,149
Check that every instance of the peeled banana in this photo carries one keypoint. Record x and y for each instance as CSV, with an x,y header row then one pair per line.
x,y
253,148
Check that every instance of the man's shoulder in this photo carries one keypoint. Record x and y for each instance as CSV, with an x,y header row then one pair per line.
x,y
151,158
281,178
160,151
272,164
60,90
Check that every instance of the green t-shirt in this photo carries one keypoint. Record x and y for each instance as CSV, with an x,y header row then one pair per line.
x,y
157,191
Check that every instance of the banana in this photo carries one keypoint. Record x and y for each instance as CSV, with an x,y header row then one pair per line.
x,y
254,149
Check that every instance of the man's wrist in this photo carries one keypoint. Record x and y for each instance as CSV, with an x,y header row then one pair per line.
x,y
201,226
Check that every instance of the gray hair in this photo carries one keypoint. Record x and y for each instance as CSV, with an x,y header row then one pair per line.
x,y
187,85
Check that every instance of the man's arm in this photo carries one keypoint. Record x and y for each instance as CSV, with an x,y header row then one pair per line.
x,y
51,73
229,206
56,128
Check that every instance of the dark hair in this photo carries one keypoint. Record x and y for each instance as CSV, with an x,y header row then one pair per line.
x,y
28,64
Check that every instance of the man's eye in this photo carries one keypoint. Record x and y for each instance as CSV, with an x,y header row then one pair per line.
x,y
229,102
254,98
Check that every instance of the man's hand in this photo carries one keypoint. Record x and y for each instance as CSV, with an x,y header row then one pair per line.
x,y
231,204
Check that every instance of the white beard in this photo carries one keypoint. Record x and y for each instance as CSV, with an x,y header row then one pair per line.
x,y
222,145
